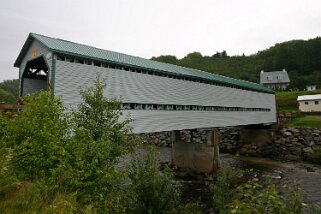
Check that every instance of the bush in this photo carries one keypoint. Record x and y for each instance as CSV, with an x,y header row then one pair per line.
x,y
99,138
233,194
224,189
155,191
254,198
314,157
38,136
3,125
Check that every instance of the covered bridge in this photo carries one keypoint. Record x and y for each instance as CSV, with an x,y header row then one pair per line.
x,y
158,96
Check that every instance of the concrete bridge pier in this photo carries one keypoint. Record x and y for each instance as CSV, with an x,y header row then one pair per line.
x,y
196,157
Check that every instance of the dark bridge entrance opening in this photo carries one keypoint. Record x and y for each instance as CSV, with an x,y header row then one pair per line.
x,y
35,77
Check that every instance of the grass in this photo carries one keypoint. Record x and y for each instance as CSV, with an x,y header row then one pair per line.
x,y
287,100
306,121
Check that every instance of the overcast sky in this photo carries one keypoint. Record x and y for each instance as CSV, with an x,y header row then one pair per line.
x,y
149,28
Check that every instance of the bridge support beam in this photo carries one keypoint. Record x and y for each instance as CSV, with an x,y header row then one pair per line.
x,y
213,139
200,158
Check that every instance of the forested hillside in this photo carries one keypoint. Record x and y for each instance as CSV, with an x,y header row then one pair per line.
x,y
301,58
9,91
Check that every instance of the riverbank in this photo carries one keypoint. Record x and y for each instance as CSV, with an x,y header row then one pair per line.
x,y
195,187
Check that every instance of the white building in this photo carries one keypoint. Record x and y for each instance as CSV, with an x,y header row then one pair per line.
x,y
311,87
278,80
310,103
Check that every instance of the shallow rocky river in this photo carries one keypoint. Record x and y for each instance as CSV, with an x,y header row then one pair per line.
x,y
308,175
195,188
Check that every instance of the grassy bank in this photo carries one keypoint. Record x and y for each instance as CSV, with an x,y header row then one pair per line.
x,y
306,121
287,100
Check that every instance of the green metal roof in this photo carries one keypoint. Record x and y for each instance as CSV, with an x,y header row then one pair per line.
x,y
85,51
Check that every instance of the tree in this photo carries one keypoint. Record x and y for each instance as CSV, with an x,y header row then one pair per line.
x,y
6,97
37,136
11,86
100,136
166,58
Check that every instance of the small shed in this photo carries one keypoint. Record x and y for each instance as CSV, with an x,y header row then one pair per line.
x,y
310,103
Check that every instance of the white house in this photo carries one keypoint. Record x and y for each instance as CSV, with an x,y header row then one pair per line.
x,y
310,103
311,87
275,79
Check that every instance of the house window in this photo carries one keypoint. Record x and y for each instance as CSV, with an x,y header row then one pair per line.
x,y
316,102
279,77
306,103
269,78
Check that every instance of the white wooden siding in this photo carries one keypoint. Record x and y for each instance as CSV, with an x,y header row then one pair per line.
x,y
143,88
157,121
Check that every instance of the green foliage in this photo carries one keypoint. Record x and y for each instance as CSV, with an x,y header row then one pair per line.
x,y
254,198
11,86
3,125
166,58
231,194
306,121
6,97
37,136
315,156
300,58
155,191
99,138
224,189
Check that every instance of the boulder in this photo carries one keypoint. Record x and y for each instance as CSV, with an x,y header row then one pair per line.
x,y
292,157
308,150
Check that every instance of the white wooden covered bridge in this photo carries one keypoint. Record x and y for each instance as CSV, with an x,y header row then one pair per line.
x,y
159,96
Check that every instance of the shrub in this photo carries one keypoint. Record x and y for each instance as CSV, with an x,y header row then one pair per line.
x,y
314,157
233,194
37,136
99,138
155,191
3,125
224,188
255,198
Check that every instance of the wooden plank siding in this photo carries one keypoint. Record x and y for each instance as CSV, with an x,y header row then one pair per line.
x,y
144,88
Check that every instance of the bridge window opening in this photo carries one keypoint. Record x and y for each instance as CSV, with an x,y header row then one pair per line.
x,y
69,59
80,61
87,62
61,58
170,107
98,64
35,76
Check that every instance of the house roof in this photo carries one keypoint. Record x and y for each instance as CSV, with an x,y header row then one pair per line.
x,y
309,97
85,51
274,77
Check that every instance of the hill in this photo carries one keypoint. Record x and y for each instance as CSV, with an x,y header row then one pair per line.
x,y
9,91
301,58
